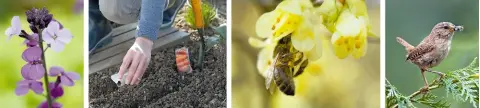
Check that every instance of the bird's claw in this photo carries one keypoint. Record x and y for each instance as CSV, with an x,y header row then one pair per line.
x,y
424,89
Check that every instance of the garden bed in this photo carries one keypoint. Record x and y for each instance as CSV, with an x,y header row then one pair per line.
x,y
162,85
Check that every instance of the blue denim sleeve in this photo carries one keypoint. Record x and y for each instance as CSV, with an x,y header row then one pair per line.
x,y
151,17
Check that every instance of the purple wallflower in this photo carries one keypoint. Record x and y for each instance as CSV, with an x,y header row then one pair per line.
x,y
32,43
25,85
39,17
54,105
15,28
56,89
66,78
33,70
56,37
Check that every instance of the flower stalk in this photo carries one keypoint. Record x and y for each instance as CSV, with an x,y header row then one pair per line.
x,y
49,100
48,30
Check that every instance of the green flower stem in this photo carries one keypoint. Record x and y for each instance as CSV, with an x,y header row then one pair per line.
x,y
201,53
49,100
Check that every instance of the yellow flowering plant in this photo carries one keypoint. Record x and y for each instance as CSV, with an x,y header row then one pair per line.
x,y
344,23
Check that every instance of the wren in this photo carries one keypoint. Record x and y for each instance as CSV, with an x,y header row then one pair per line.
x,y
433,48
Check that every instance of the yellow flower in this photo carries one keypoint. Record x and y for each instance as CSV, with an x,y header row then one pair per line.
x,y
350,36
280,22
307,37
359,9
265,59
329,10
295,17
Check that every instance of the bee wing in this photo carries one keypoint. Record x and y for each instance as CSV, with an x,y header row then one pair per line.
x,y
269,77
272,88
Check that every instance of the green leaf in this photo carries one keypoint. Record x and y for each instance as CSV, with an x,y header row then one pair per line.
x,y
462,85
222,31
395,98
433,101
208,14
212,41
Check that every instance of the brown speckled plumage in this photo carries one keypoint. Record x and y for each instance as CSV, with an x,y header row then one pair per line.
x,y
433,49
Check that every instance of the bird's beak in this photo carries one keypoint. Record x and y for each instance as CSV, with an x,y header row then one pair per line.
x,y
458,28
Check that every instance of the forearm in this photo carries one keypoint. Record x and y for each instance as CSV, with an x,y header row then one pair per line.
x,y
151,17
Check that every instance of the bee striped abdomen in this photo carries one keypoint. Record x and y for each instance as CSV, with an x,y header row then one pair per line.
x,y
284,80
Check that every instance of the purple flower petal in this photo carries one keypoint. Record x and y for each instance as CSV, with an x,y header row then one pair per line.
x,y
34,42
56,37
32,54
66,81
53,27
72,75
55,71
60,24
36,87
47,36
68,78
57,46
54,105
9,33
49,33
24,85
22,88
15,28
56,90
33,71
64,36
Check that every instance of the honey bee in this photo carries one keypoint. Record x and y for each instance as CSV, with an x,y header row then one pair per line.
x,y
288,64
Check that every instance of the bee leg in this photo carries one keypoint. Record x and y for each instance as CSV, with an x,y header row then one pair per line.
x,y
301,69
299,60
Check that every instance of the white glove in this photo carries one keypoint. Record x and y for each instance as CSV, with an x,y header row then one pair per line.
x,y
136,60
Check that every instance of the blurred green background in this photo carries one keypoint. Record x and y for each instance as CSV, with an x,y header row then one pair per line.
x,y
71,59
413,20
346,83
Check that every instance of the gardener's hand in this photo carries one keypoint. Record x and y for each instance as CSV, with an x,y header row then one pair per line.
x,y
136,60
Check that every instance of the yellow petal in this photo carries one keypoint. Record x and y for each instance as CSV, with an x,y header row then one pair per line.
x,y
314,68
316,52
258,43
361,42
265,24
291,6
330,10
341,46
303,38
285,24
358,7
306,4
360,47
265,58
348,24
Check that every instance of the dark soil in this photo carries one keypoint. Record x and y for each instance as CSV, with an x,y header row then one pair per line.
x,y
162,86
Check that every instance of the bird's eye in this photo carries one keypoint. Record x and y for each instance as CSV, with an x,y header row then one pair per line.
x,y
446,27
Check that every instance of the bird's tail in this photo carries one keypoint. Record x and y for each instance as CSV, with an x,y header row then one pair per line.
x,y
408,47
